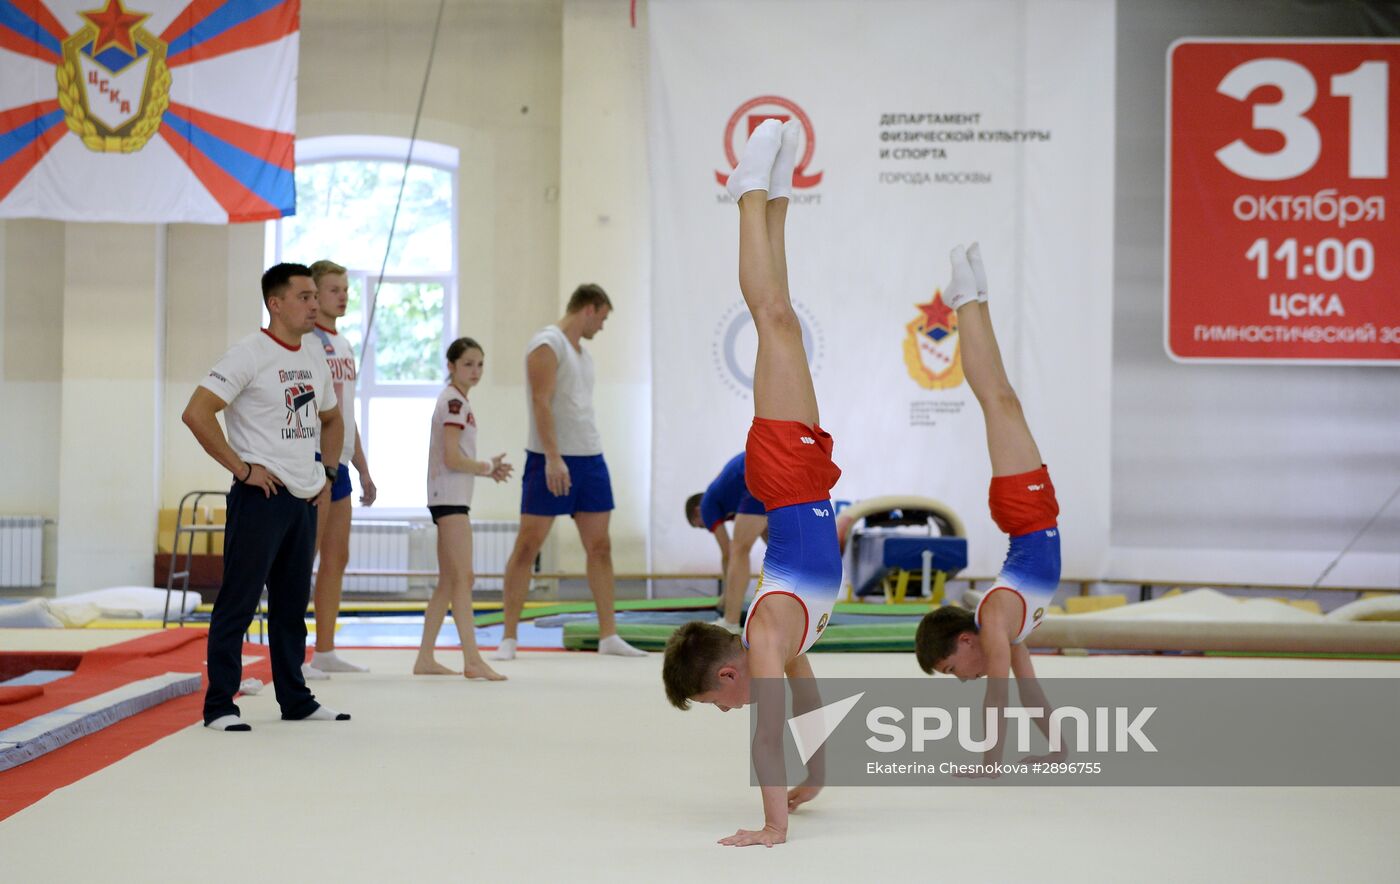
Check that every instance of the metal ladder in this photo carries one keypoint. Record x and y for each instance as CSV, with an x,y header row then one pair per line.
x,y
189,530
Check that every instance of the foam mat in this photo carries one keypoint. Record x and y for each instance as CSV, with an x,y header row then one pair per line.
x,y
861,637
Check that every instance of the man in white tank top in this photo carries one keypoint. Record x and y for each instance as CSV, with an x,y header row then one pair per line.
x,y
565,474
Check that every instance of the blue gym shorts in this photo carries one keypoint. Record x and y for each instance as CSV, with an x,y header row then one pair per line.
x,y
340,488
590,487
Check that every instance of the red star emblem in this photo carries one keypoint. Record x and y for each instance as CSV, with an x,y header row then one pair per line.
x,y
936,313
114,26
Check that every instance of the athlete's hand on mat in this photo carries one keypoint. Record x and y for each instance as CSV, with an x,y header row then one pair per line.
x,y
767,836
368,492
800,795
556,476
500,470
260,478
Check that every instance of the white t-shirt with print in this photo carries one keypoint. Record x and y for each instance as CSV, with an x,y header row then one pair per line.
x,y
275,397
450,487
575,427
344,374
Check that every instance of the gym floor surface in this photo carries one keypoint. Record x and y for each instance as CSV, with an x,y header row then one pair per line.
x,y
577,769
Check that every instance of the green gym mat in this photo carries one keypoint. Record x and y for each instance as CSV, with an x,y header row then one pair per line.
x,y
549,610
864,637
489,613
859,638
873,609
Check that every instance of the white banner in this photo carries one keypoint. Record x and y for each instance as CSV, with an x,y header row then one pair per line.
x,y
148,110
926,124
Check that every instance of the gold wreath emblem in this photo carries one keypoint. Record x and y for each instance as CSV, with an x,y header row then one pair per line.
x,y
922,375
72,96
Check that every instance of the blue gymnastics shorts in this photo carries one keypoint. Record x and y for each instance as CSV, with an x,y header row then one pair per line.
x,y
590,487
340,488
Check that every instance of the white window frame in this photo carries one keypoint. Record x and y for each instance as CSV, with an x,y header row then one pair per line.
x,y
379,148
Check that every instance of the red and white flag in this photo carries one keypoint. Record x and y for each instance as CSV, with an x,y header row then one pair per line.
x,y
148,110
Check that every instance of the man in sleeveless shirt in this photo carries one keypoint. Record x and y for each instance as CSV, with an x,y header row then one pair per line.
x,y
565,474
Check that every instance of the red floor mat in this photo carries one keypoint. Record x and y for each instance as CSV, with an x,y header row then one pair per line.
x,y
174,650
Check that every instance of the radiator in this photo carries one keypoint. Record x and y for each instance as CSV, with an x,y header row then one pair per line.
x,y
379,546
491,546
21,551
411,545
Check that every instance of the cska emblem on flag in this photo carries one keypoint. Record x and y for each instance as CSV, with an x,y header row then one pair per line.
x,y
148,111
113,84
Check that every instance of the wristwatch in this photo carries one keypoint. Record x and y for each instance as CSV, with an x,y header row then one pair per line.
x,y
331,472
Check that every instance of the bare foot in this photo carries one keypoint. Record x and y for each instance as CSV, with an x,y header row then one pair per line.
x,y
432,667
479,669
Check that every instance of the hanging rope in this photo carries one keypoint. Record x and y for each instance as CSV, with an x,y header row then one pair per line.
x,y
1356,537
403,183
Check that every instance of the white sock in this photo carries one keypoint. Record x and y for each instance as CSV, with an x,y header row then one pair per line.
x,y
962,288
720,621
311,673
329,661
979,272
228,723
756,165
614,645
324,713
780,182
505,650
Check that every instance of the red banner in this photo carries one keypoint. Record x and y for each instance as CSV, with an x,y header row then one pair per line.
x,y
1282,194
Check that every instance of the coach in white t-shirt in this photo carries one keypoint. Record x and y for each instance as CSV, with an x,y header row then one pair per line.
x,y
565,474
280,407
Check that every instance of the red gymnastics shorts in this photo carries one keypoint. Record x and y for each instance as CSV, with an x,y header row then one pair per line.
x,y
788,462
1024,503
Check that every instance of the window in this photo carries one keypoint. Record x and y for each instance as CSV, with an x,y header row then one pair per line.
x,y
346,191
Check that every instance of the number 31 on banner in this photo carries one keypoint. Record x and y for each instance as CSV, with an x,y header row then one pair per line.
x,y
1279,187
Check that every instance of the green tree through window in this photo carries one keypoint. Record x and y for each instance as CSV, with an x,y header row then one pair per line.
x,y
408,332
344,210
